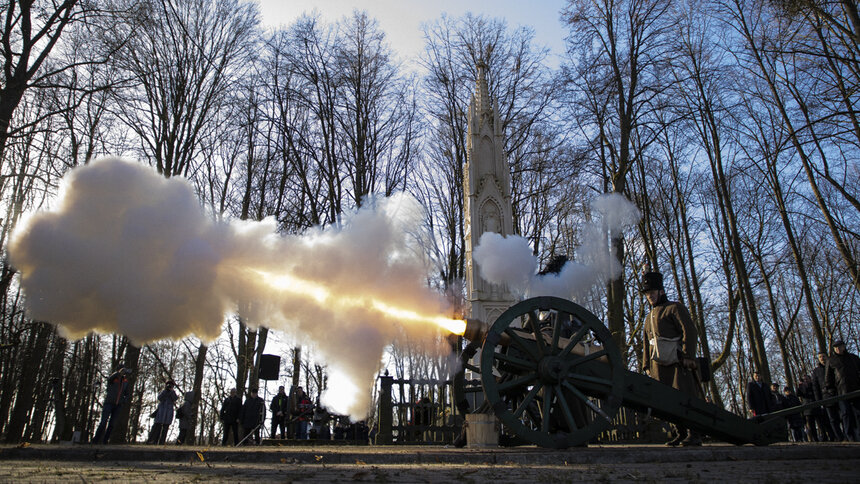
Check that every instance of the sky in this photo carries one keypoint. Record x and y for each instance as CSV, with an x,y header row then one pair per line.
x,y
401,20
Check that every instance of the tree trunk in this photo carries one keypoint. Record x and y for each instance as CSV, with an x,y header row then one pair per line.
x,y
199,365
843,248
32,361
263,333
297,365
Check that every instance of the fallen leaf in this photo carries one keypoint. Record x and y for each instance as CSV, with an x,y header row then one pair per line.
x,y
318,457
360,463
201,457
23,445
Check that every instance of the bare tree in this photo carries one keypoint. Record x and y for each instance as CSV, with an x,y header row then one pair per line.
x,y
376,113
618,52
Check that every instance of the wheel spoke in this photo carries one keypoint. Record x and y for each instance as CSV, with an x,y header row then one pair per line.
x,y
523,380
527,400
547,407
474,368
514,361
532,318
556,330
587,401
568,417
590,357
523,345
574,340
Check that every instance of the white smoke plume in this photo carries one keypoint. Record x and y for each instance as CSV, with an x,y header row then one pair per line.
x,y
125,250
509,260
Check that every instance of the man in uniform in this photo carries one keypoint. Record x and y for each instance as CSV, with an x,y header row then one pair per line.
x,y
671,320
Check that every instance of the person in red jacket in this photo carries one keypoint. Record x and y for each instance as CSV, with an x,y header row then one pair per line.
x,y
303,412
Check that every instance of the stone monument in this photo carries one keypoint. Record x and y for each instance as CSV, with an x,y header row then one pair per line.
x,y
487,204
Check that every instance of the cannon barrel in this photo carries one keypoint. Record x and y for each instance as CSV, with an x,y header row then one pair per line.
x,y
476,330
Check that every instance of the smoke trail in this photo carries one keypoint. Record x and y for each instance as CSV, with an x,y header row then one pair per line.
x,y
125,250
509,260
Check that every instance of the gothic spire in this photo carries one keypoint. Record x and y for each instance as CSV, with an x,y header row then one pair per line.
x,y
482,91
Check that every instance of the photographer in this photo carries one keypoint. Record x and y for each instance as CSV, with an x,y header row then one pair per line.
x,y
117,394
163,414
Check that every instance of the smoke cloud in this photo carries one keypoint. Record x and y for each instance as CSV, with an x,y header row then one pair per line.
x,y
128,251
509,260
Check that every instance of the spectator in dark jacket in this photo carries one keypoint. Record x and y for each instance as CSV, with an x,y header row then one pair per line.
x,y
812,415
252,416
776,400
843,376
229,415
758,396
819,386
280,408
795,421
184,417
117,395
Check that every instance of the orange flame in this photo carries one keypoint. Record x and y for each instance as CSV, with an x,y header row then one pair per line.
x,y
322,294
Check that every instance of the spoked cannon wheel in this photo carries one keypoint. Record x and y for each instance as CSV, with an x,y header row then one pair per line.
x,y
551,372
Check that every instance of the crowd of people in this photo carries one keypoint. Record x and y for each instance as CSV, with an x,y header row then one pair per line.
x,y
291,415
831,421
242,422
669,355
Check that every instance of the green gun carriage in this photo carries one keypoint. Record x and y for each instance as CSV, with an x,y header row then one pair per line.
x,y
553,376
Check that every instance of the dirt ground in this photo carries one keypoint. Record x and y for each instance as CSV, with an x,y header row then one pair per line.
x,y
785,463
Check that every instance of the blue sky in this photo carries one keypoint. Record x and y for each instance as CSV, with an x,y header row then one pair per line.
x,y
401,19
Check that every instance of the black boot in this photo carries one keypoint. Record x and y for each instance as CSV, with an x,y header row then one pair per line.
x,y
692,440
679,437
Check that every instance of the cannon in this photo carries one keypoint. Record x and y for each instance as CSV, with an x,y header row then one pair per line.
x,y
553,376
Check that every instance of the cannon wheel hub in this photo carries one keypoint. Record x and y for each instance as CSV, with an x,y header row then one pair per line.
x,y
551,370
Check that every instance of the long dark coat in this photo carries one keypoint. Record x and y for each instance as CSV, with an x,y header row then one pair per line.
x,y
253,412
819,386
230,409
671,320
758,398
843,373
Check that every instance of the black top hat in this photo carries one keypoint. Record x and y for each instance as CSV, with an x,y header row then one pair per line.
x,y
554,266
651,281
838,342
